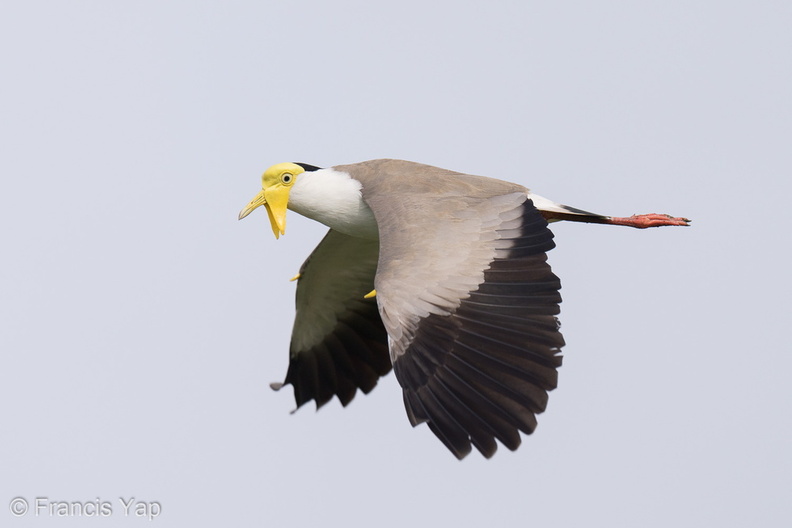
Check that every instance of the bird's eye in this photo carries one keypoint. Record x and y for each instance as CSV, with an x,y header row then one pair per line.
x,y
286,177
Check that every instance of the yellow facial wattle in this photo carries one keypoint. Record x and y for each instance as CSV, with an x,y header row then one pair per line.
x,y
276,182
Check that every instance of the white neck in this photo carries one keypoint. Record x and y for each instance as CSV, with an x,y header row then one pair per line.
x,y
334,199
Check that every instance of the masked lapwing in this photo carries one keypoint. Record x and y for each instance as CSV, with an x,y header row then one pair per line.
x,y
441,276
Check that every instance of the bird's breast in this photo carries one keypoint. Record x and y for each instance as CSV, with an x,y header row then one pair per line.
x,y
334,199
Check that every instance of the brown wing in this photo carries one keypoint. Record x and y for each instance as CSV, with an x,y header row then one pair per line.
x,y
482,371
468,300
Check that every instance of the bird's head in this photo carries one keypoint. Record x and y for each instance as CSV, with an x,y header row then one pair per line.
x,y
276,183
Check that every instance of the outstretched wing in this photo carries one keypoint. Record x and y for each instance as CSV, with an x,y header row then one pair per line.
x,y
338,341
469,302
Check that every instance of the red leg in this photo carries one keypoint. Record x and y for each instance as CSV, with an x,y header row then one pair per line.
x,y
648,220
639,221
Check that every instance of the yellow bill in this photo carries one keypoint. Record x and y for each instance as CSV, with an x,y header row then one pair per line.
x,y
274,199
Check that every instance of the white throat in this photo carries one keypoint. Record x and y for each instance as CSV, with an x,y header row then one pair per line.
x,y
334,199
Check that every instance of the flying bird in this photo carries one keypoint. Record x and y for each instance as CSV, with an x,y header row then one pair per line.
x,y
441,276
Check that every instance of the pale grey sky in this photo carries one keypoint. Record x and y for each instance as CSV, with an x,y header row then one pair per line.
x,y
141,323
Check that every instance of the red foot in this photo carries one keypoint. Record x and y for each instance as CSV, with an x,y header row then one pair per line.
x,y
649,220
